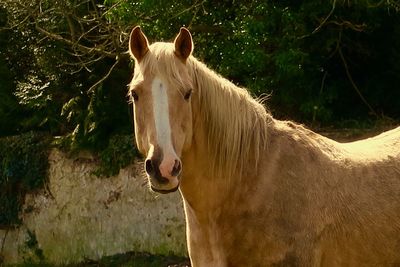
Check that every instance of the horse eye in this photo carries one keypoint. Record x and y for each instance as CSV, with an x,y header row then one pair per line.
x,y
188,94
134,96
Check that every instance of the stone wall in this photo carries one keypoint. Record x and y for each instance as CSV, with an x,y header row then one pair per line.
x,y
81,216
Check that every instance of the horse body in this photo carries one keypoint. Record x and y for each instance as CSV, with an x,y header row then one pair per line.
x,y
308,204
259,191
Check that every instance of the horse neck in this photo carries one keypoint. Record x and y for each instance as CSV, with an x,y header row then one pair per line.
x,y
214,166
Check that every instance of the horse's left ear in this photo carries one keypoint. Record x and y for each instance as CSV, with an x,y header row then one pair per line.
x,y
183,44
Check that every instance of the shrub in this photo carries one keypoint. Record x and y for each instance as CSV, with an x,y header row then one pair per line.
x,y
23,168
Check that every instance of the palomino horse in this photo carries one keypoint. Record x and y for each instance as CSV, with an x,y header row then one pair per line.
x,y
258,191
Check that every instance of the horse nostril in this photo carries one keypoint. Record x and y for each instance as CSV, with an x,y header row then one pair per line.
x,y
177,168
149,166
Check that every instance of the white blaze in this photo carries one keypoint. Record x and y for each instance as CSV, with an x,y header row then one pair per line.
x,y
161,113
163,127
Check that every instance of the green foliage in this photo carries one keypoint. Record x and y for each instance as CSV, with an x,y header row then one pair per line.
x,y
8,102
323,61
137,259
291,49
34,253
119,153
131,259
23,168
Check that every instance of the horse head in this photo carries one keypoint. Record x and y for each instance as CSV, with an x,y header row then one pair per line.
x,y
161,90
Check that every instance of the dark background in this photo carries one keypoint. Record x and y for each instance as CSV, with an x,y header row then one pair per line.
x,y
64,66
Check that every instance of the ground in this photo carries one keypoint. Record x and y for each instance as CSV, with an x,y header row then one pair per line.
x,y
129,259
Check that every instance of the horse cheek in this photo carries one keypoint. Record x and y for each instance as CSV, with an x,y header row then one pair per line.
x,y
187,130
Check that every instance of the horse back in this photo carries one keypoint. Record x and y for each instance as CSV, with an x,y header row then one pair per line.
x,y
381,147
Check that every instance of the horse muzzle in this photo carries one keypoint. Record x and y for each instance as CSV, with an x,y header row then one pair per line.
x,y
163,174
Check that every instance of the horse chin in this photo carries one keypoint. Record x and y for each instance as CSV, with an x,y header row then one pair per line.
x,y
164,191
163,185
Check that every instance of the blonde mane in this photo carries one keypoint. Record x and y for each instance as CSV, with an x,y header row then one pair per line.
x,y
235,123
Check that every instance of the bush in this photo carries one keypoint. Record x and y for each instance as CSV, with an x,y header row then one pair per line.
x,y
23,168
119,153
323,61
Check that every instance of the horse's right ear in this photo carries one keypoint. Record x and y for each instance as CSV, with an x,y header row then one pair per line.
x,y
138,44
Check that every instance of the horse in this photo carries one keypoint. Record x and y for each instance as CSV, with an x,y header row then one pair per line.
x,y
258,191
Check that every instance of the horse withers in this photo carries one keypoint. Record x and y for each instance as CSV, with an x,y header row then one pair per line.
x,y
258,191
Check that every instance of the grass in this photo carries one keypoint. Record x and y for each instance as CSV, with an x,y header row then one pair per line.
x,y
129,259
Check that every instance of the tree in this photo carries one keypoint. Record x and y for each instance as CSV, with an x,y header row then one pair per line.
x,y
68,56
322,61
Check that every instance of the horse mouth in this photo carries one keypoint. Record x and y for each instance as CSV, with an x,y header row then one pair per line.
x,y
164,191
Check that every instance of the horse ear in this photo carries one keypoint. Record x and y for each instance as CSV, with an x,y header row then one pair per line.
x,y
138,44
183,44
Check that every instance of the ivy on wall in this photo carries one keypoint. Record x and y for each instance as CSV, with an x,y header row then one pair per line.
x,y
119,153
23,168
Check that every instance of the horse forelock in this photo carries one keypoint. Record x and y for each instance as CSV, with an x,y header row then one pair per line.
x,y
161,62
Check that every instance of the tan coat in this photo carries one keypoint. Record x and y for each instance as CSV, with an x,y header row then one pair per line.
x,y
258,191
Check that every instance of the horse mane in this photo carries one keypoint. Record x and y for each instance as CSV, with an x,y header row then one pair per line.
x,y
235,123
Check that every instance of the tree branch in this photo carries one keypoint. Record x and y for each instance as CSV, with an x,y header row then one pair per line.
x,y
326,18
81,47
354,84
348,24
94,86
